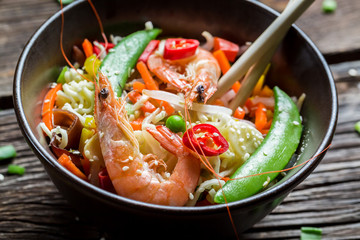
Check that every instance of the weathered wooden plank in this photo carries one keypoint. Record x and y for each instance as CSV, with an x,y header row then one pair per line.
x,y
334,34
18,21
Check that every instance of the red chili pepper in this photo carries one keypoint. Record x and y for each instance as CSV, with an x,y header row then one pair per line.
x,y
97,50
178,48
229,48
205,138
105,181
153,44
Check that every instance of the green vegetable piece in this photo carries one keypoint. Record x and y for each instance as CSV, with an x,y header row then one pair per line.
x,y
176,124
66,2
119,62
357,127
15,169
61,78
329,6
7,151
311,233
273,154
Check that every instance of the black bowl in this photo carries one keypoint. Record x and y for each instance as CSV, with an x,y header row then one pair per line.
x,y
297,67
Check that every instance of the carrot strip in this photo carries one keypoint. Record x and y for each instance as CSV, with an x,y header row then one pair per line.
x,y
48,106
66,162
138,86
145,74
88,48
147,107
137,123
260,117
151,84
225,66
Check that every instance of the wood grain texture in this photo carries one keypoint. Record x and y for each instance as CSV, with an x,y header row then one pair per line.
x,y
32,208
334,34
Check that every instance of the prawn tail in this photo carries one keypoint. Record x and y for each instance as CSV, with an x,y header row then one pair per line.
x,y
167,139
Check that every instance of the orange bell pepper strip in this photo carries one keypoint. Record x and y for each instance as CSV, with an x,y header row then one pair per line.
x,y
48,106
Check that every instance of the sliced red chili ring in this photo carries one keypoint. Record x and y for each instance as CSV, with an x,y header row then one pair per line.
x,y
205,138
178,48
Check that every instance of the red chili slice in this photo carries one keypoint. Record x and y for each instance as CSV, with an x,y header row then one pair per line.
x,y
178,48
109,46
206,139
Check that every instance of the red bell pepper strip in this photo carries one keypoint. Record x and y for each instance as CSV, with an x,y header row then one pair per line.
x,y
178,48
205,138
105,181
97,49
229,48
153,44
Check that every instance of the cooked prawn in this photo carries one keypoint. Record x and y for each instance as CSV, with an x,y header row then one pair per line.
x,y
134,175
196,76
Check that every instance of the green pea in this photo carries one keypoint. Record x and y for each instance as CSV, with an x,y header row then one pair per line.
x,y
176,124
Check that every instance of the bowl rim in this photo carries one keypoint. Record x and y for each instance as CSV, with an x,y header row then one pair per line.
x,y
270,194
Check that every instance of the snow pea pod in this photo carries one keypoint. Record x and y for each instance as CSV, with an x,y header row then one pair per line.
x,y
273,154
119,62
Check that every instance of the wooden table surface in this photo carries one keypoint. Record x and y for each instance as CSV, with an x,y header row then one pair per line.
x,y
32,208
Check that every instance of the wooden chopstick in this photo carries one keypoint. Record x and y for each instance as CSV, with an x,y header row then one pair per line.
x,y
267,42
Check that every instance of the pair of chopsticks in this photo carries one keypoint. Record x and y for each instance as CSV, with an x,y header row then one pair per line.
x,y
255,59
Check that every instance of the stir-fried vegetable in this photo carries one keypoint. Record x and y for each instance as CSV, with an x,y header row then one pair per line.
x,y
176,124
229,48
118,64
178,48
205,139
273,154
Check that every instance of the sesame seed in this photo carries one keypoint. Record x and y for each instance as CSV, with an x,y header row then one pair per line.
x,y
191,196
125,168
296,123
138,171
243,147
215,134
1,177
246,156
241,139
131,158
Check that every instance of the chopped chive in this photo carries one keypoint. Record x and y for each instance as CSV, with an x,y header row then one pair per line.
x,y
7,151
329,6
357,126
61,78
311,233
15,169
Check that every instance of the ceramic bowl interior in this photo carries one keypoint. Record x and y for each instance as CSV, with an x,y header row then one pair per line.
x,y
297,67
